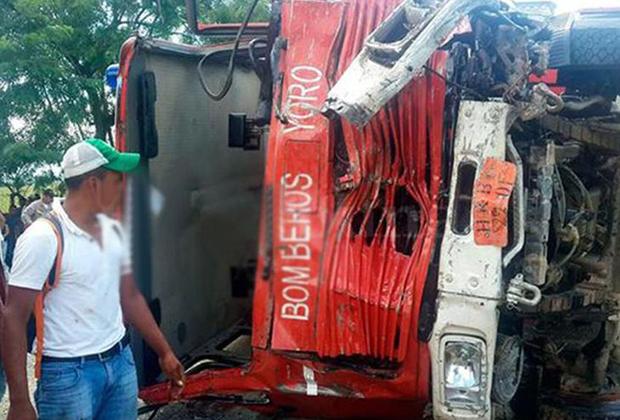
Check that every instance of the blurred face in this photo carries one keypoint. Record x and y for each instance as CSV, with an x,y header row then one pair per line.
x,y
47,199
107,192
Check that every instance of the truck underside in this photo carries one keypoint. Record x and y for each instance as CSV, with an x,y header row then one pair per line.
x,y
422,212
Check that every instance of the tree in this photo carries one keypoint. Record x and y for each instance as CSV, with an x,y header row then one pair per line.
x,y
53,55
21,167
225,11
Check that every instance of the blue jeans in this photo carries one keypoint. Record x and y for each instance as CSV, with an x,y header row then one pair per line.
x,y
95,389
2,382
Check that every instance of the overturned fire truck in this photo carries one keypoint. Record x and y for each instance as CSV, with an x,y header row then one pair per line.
x,y
389,210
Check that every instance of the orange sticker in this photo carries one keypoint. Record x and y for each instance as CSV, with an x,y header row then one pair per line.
x,y
491,198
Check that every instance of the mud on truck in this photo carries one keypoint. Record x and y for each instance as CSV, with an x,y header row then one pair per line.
x,y
382,209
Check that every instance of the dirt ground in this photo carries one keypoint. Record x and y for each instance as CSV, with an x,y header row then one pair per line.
x,y
202,410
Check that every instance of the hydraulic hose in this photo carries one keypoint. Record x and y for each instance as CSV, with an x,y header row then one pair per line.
x,y
231,62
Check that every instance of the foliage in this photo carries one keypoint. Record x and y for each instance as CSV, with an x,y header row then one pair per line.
x,y
21,167
53,55
223,11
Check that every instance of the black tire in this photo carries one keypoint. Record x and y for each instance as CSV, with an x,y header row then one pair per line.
x,y
586,51
596,47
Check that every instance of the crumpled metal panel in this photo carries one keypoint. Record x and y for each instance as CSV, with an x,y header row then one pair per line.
x,y
371,284
340,282
390,59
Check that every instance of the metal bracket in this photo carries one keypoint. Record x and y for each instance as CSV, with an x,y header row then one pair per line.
x,y
518,204
521,293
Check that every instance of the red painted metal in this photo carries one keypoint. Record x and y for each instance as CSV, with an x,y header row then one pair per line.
x,y
370,288
339,274
343,393
550,77
302,179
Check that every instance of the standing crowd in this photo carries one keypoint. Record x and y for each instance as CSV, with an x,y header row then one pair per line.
x,y
22,213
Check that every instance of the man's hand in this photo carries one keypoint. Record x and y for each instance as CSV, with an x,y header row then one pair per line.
x,y
173,369
138,314
22,411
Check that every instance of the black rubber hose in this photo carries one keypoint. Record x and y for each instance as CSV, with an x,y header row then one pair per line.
x,y
231,62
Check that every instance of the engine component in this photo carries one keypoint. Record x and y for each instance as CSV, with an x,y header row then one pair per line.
x,y
585,50
542,101
591,133
518,200
541,167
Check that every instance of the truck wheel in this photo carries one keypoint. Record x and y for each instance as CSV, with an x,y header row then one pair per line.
x,y
596,47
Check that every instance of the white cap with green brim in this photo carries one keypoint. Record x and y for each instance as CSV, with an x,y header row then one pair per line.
x,y
86,156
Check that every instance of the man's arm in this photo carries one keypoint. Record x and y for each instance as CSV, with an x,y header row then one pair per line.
x,y
34,256
137,313
13,344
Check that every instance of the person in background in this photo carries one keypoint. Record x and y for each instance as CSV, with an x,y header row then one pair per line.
x,y
15,227
38,208
3,285
87,370
4,232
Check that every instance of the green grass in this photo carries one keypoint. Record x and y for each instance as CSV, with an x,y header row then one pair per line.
x,y
5,197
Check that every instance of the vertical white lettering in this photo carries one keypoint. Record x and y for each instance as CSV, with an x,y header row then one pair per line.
x,y
302,99
295,294
298,73
296,311
295,236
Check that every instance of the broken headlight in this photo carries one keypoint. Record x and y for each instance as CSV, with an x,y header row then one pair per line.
x,y
464,373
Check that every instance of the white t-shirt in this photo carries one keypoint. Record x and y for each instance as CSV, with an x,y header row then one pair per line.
x,y
82,314
3,255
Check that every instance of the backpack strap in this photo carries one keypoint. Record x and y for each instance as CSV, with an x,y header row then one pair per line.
x,y
50,283
54,221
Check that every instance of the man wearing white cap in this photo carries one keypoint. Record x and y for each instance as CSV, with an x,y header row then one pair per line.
x,y
70,266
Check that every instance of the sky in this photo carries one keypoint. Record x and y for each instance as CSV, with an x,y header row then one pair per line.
x,y
566,5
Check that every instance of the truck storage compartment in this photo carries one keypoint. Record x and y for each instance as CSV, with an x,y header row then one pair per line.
x,y
195,205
